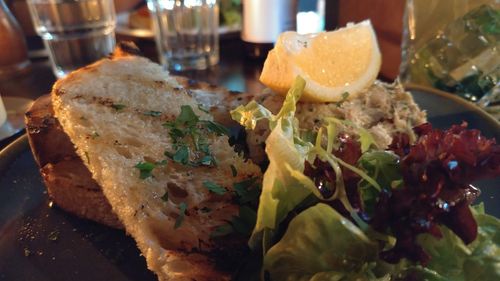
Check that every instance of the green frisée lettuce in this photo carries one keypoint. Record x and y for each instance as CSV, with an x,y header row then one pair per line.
x,y
280,191
284,184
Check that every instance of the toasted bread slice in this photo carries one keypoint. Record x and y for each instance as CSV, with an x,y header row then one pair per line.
x,y
69,183
102,109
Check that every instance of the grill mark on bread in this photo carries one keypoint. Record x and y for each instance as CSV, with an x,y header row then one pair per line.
x,y
109,103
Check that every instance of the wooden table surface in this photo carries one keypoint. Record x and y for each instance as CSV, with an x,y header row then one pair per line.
x,y
234,71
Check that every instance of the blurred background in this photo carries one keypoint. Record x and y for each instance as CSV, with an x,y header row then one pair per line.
x,y
452,45
133,23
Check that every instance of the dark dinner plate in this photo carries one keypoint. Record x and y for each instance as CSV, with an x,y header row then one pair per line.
x,y
40,242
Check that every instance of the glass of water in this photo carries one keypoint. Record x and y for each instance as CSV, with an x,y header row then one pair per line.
x,y
186,33
75,32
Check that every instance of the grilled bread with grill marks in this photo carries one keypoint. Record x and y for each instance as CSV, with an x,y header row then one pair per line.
x,y
102,109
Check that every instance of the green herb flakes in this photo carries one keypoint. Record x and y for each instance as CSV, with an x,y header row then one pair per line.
x,y
215,188
94,135
146,169
187,116
118,107
189,141
216,128
345,96
246,190
181,155
152,113
182,214
164,198
208,160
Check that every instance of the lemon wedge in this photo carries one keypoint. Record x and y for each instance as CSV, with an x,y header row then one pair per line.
x,y
332,63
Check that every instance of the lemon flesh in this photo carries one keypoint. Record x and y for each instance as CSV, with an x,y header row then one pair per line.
x,y
332,63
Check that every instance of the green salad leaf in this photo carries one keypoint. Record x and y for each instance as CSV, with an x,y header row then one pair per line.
x,y
383,167
321,244
451,259
280,191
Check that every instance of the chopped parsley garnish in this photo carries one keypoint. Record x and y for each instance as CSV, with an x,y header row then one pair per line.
x,y
234,172
243,223
189,138
118,106
187,116
152,113
216,128
165,197
246,190
146,168
182,214
87,157
345,95
215,188
95,135
181,155
208,160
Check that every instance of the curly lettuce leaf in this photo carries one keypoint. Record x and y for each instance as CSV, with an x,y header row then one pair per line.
x,y
321,244
248,115
383,167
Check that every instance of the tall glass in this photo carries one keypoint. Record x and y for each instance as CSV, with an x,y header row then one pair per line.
x,y
75,32
186,33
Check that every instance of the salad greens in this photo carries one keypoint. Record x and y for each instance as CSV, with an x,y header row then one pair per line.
x,y
310,226
306,255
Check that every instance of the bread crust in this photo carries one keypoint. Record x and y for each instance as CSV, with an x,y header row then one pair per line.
x,y
69,183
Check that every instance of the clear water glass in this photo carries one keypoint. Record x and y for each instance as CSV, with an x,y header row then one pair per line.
x,y
186,33
75,32
453,45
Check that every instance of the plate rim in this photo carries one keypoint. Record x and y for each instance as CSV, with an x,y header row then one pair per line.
x,y
9,153
473,107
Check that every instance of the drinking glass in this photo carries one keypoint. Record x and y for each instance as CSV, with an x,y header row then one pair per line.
x,y
453,45
75,32
186,33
